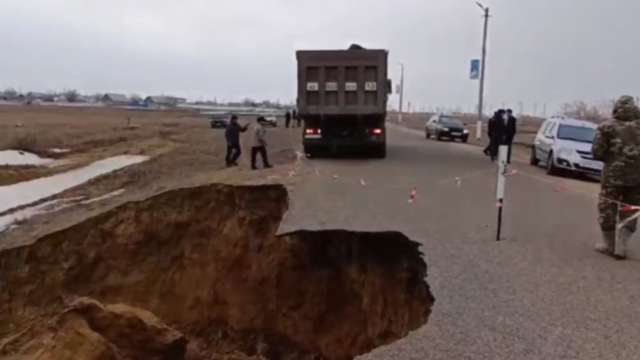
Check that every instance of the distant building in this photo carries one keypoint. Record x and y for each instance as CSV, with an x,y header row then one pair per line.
x,y
114,99
136,100
36,96
84,99
163,101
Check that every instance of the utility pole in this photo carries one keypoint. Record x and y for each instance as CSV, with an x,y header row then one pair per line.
x,y
521,108
401,90
482,70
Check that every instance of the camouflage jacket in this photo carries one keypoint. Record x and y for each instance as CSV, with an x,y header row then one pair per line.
x,y
617,144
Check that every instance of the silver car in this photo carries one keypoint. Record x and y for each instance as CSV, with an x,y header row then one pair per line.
x,y
565,144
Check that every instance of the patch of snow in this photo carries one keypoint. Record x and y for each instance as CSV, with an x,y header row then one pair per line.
x,y
59,151
17,157
59,163
27,192
103,197
12,220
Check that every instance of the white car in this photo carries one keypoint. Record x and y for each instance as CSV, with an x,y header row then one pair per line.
x,y
565,144
268,121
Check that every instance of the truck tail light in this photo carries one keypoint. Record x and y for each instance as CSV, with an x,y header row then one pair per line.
x,y
376,131
312,131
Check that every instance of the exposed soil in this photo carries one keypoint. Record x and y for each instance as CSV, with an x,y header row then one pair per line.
x,y
184,151
206,261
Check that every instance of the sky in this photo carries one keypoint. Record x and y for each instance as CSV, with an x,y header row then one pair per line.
x,y
539,51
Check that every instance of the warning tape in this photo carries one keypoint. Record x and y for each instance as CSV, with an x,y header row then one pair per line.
x,y
629,208
625,207
626,221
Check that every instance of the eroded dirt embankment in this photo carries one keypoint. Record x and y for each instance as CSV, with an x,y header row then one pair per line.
x,y
207,263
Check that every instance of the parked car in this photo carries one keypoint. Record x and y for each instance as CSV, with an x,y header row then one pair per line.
x,y
446,126
565,144
218,122
268,121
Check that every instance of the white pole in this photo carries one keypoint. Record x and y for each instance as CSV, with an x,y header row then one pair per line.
x,y
401,91
502,171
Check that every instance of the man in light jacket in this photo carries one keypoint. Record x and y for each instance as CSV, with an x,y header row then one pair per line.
x,y
259,145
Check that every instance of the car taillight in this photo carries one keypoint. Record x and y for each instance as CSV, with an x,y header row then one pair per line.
x,y
376,131
311,131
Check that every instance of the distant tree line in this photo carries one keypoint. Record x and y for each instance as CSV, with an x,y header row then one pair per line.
x,y
74,96
583,111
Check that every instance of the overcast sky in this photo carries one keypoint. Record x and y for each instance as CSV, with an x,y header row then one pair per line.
x,y
540,51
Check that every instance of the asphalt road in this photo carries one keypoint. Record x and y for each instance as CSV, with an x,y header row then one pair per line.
x,y
540,293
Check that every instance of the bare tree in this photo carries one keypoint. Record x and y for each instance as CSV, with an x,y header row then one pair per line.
x,y
71,95
583,111
10,93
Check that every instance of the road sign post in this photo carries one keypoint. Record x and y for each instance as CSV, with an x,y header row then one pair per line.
x,y
474,74
502,179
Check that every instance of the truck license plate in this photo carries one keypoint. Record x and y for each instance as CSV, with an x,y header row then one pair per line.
x,y
456,133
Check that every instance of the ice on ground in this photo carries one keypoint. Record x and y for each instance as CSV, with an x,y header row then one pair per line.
x,y
17,157
59,151
103,197
27,192
9,221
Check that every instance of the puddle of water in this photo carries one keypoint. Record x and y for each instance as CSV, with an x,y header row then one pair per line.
x,y
16,157
14,219
27,192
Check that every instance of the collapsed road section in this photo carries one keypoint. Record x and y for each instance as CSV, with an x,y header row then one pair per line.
x,y
199,273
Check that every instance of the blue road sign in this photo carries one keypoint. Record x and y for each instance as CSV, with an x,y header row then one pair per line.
x,y
475,69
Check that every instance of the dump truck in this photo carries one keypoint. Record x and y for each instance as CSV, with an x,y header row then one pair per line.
x,y
342,99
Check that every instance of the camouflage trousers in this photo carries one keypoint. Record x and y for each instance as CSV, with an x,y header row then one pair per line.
x,y
608,210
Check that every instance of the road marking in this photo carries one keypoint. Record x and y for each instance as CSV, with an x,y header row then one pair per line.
x,y
412,196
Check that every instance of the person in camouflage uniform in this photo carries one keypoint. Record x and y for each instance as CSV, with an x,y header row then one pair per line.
x,y
617,144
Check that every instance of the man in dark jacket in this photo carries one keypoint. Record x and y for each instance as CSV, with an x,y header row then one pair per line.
x,y
297,118
497,133
232,134
617,144
510,132
287,119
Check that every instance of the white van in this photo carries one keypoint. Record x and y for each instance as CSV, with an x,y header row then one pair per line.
x,y
565,144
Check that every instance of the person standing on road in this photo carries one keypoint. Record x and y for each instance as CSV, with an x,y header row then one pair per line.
x,y
497,131
287,119
232,134
259,145
617,144
510,132
296,116
490,128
